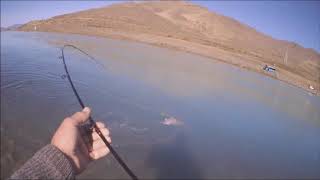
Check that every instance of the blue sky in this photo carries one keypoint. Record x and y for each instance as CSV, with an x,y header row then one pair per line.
x,y
297,21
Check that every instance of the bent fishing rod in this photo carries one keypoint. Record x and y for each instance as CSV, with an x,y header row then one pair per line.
x,y
92,122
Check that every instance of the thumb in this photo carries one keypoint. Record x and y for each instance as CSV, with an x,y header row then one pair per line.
x,y
82,116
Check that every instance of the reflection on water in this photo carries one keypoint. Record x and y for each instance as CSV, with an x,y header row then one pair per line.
x,y
234,123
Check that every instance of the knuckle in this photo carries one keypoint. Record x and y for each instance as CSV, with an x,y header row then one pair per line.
x,y
95,136
94,155
106,151
100,124
68,120
101,144
105,131
79,114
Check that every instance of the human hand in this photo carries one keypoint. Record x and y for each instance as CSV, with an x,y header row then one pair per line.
x,y
80,147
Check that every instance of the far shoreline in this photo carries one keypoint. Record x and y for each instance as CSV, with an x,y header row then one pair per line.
x,y
240,63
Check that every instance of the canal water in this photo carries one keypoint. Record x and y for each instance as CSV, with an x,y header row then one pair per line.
x,y
232,123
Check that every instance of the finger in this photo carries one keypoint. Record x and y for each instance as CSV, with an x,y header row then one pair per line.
x,y
82,116
105,132
99,153
100,144
100,125
94,145
89,139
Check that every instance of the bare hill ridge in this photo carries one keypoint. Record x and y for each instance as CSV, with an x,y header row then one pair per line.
x,y
185,26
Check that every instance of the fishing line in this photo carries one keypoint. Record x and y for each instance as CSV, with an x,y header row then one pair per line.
x,y
91,121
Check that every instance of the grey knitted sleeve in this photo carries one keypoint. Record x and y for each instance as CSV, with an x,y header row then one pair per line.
x,y
48,163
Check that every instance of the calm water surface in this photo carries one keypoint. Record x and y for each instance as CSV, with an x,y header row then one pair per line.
x,y
236,124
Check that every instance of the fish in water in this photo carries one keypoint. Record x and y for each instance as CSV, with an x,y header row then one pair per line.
x,y
171,121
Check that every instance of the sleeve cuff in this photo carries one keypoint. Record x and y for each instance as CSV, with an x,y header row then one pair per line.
x,y
58,160
48,163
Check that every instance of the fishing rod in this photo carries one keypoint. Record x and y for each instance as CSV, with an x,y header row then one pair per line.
x,y
91,121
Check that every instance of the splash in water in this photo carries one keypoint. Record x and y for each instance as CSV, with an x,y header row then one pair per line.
x,y
171,121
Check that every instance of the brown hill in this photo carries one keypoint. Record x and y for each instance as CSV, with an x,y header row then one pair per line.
x,y
184,26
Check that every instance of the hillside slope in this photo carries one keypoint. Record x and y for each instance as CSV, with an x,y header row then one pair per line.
x,y
184,26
